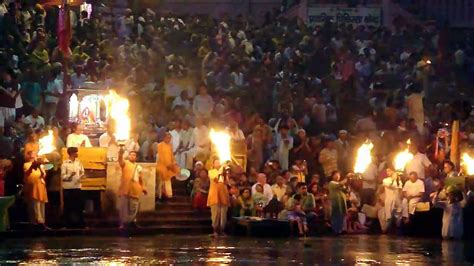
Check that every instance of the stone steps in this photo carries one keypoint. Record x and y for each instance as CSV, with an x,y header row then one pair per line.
x,y
153,222
144,231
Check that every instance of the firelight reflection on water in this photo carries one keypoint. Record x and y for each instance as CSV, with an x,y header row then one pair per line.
x,y
348,250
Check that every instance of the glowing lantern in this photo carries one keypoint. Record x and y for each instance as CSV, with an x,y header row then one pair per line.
x,y
403,158
46,144
118,110
221,141
364,158
468,164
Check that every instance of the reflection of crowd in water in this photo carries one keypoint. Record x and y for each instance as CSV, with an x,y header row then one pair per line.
x,y
301,98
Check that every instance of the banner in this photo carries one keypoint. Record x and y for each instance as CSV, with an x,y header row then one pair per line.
x,y
370,16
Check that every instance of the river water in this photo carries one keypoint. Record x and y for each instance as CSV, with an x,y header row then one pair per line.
x,y
166,249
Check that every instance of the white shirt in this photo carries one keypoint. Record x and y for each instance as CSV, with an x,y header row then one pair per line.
x,y
369,175
175,139
236,135
67,168
178,101
418,164
413,189
77,81
267,192
76,140
203,105
113,149
201,137
55,86
391,187
34,123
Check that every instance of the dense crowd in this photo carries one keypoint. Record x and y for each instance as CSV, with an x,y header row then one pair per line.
x,y
300,98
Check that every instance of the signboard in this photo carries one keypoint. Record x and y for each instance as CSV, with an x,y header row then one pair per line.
x,y
370,16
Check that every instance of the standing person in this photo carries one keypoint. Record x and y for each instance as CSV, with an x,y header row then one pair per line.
x,y
185,140
8,93
369,184
76,138
130,189
72,172
453,227
342,147
328,158
418,164
255,148
107,140
200,144
54,90
414,103
218,197
412,192
35,188
392,186
337,195
203,104
284,143
166,167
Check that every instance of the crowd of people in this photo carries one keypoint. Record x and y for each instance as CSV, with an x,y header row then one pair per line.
x,y
300,98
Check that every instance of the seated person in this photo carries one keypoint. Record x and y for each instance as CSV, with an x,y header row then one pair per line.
x,y
259,199
246,203
296,214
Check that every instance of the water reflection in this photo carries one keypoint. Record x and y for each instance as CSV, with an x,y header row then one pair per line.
x,y
358,250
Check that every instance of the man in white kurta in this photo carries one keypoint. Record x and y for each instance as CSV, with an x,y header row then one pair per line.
x,y
392,203
200,145
107,140
185,137
284,143
77,139
412,192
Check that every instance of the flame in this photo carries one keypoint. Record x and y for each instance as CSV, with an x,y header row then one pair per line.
x,y
118,109
364,157
221,141
46,144
403,158
468,163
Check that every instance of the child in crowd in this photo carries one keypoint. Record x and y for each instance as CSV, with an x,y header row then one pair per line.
x,y
259,200
246,203
296,214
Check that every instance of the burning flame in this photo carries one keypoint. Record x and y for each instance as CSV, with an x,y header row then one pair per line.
x,y
118,109
403,158
46,144
468,164
364,157
221,141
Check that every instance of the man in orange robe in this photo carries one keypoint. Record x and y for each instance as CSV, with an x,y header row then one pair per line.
x,y
130,189
35,188
166,167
